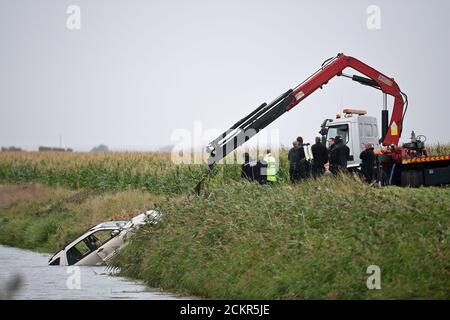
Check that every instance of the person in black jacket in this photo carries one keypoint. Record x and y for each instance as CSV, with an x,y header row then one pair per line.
x,y
294,159
343,152
367,164
246,168
261,171
320,157
303,167
333,156
339,154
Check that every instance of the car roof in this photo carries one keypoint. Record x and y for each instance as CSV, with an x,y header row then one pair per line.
x,y
109,225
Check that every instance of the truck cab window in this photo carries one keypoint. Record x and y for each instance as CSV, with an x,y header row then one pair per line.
x,y
368,130
340,130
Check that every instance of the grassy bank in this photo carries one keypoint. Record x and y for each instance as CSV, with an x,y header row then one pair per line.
x,y
311,241
241,240
38,217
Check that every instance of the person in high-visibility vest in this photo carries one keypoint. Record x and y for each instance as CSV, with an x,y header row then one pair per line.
x,y
271,173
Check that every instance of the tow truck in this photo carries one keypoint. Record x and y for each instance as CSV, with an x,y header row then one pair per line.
x,y
407,164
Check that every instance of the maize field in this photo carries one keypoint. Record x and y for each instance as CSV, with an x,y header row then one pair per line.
x,y
151,171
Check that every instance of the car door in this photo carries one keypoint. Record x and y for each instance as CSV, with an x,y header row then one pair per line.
x,y
82,253
92,249
109,246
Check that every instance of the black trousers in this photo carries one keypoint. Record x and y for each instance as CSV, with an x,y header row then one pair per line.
x,y
368,174
293,173
304,169
317,170
334,169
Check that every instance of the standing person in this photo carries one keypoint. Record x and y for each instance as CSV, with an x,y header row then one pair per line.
x,y
247,168
367,164
294,159
260,171
343,152
271,172
330,144
303,164
320,157
333,156
301,145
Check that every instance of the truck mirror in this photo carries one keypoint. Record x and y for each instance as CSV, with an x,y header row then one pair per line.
x,y
323,131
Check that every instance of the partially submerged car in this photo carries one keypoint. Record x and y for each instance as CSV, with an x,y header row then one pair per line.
x,y
101,242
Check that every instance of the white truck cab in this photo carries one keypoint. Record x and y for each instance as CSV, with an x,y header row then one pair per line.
x,y
356,129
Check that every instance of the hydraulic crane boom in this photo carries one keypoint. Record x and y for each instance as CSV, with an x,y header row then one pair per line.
x,y
265,114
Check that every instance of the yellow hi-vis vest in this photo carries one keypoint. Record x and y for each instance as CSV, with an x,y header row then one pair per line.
x,y
271,167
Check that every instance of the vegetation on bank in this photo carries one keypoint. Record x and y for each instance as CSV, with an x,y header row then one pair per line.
x,y
244,241
238,240
37,217
311,241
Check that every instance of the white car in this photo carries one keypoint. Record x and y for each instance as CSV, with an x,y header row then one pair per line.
x,y
101,242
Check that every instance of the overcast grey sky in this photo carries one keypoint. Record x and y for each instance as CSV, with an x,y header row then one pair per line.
x,y
138,70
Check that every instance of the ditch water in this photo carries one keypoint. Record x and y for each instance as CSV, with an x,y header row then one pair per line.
x,y
36,280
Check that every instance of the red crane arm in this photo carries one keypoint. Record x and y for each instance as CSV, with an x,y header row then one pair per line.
x,y
265,114
385,84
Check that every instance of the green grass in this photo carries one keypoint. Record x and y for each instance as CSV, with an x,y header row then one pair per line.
x,y
41,218
245,241
312,241
237,240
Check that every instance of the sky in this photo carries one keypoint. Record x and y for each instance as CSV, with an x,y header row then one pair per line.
x,y
136,73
